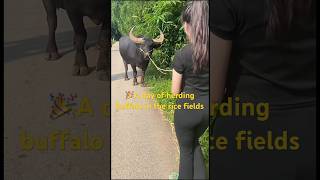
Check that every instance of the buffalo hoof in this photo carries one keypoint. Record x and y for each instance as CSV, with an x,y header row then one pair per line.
x,y
126,78
76,70
52,56
84,70
103,75
135,83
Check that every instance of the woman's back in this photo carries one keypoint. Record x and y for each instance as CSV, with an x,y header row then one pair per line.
x,y
193,82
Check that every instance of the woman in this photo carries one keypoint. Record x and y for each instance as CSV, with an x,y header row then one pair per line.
x,y
191,76
264,51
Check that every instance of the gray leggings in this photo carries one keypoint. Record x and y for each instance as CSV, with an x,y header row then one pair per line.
x,y
189,126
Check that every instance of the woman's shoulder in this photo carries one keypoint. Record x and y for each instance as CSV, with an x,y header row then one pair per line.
x,y
186,51
181,58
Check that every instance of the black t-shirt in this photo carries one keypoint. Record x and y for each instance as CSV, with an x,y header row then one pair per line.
x,y
197,83
261,68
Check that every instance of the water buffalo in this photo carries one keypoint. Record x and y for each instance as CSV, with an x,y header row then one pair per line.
x,y
137,51
97,11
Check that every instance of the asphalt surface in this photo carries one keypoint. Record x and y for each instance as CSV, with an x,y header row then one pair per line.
x,y
28,82
144,145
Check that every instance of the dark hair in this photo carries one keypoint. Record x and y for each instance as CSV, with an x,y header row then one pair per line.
x,y
196,14
282,14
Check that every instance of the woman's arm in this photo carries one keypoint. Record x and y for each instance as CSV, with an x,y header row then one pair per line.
x,y
220,51
176,82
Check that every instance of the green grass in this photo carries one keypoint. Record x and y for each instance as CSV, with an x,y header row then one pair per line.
x,y
159,83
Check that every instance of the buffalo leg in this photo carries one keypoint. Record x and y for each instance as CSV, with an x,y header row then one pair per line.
x,y
144,68
103,63
80,66
134,68
52,50
142,78
74,44
126,78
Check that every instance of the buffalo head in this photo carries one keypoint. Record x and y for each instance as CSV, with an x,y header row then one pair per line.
x,y
146,45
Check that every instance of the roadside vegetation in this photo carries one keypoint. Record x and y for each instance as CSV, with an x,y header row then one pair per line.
x,y
149,17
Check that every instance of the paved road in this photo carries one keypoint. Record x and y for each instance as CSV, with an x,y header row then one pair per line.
x,y
143,143
28,81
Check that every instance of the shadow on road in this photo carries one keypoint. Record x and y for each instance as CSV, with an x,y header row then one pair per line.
x,y
15,50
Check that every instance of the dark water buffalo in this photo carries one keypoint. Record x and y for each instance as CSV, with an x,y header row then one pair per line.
x,y
97,11
136,51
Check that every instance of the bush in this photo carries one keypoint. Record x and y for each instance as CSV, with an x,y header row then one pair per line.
x,y
148,17
115,33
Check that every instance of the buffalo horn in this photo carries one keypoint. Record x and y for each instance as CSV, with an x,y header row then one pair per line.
x,y
160,39
135,39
